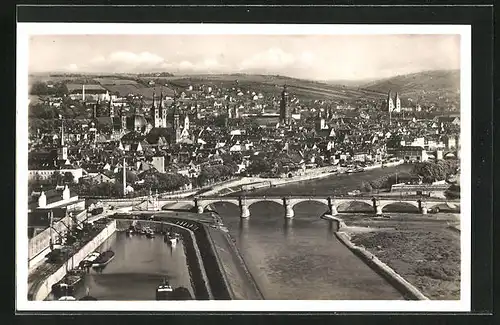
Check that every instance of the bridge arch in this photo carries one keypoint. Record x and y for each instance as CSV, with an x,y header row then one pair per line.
x,y
250,202
203,204
342,205
403,206
296,204
443,206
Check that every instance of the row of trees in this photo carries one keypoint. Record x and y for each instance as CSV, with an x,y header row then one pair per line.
x,y
41,88
216,173
453,192
428,172
274,164
69,108
153,181
162,182
89,188
436,171
387,181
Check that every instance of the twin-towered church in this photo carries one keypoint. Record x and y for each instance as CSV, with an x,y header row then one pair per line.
x,y
163,122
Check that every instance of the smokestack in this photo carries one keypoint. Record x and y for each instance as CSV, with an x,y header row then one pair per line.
x,y
124,179
83,93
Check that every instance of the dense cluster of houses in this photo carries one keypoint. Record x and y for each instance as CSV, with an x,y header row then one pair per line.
x,y
205,126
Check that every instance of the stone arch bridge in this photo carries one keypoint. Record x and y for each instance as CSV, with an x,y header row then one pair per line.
x,y
289,202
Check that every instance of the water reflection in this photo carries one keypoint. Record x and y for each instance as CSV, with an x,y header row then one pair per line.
x,y
301,258
243,230
288,228
140,264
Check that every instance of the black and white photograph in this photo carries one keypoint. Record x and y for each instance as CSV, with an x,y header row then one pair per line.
x,y
177,167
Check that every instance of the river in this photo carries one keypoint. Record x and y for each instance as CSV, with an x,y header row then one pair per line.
x,y
301,258
139,266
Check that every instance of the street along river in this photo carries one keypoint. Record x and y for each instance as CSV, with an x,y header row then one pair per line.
x,y
301,258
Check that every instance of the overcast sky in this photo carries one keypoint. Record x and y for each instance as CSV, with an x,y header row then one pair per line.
x,y
318,57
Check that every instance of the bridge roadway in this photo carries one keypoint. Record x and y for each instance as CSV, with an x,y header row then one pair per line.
x,y
288,202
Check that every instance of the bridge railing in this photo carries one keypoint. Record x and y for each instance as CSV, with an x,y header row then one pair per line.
x,y
351,197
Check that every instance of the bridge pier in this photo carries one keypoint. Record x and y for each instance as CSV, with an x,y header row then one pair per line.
x,y
200,209
244,211
288,208
422,207
378,210
332,209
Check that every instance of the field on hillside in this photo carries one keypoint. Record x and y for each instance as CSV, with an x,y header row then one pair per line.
x,y
417,82
138,89
440,87
274,84
115,81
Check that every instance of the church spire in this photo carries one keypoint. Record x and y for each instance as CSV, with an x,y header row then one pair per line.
x,y
161,97
62,132
94,113
111,108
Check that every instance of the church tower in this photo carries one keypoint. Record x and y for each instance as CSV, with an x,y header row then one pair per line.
x,y
390,103
186,122
62,151
155,112
111,108
284,114
397,103
94,111
163,112
123,119
177,127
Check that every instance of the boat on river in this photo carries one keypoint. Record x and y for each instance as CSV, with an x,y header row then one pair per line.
x,y
164,291
172,238
104,259
90,259
67,286
132,229
88,296
67,298
149,232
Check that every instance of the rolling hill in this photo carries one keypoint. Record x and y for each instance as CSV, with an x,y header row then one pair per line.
x,y
439,87
273,84
446,81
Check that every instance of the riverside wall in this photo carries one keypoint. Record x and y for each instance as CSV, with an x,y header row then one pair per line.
x,y
248,184
403,286
236,274
43,288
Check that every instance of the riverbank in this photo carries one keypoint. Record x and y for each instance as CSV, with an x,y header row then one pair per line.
x,y
240,280
246,184
406,288
425,252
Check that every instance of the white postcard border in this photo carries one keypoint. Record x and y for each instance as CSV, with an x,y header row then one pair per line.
x,y
25,30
